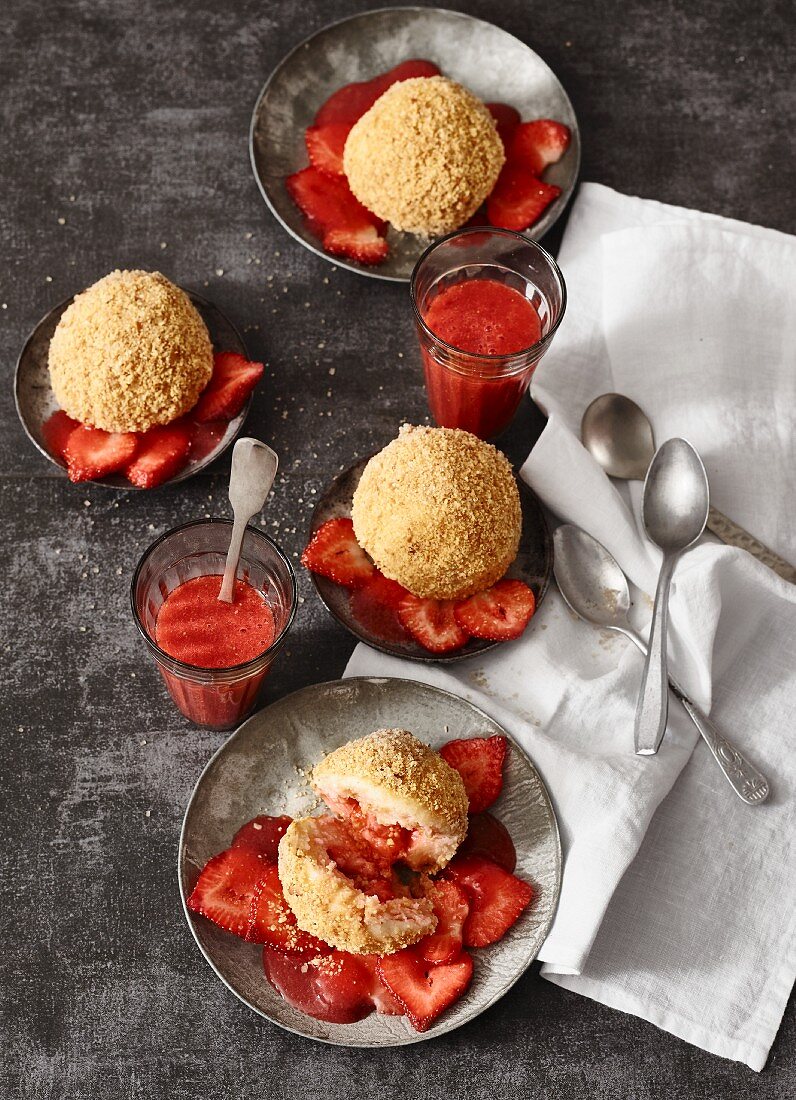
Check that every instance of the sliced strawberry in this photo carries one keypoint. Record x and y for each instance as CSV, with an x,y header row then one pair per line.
x,y
162,452
479,761
325,145
351,101
432,623
496,898
423,989
262,834
507,119
489,838
91,453
537,144
451,906
518,198
335,987
225,888
386,1004
328,202
56,430
499,614
232,381
334,552
406,70
271,920
362,244
375,608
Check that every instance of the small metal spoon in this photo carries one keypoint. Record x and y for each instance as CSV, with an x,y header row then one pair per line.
x,y
674,510
616,432
595,588
254,467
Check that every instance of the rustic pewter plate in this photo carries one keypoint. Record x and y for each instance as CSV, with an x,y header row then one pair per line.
x,y
487,60
259,770
36,402
533,564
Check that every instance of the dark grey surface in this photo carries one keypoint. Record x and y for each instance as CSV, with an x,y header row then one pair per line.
x,y
139,109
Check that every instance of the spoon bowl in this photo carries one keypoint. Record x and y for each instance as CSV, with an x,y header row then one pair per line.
x,y
590,579
618,434
676,496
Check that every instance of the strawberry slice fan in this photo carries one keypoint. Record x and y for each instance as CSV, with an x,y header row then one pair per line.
x,y
148,459
347,228
476,900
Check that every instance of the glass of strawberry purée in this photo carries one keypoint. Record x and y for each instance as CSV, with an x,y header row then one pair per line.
x,y
185,564
487,304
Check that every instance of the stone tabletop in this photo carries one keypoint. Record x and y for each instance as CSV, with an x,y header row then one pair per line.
x,y
125,125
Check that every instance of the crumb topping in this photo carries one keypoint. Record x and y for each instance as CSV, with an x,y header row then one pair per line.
x,y
425,156
394,761
438,510
130,352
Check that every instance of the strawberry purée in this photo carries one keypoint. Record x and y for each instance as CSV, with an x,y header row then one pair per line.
x,y
482,317
193,626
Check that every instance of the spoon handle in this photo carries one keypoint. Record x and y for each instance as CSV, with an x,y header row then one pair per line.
x,y
734,535
652,708
746,780
233,556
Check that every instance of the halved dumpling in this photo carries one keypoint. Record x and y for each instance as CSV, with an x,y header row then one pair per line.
x,y
399,795
339,893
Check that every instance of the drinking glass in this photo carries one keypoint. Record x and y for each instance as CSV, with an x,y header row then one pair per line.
x,y
480,393
218,698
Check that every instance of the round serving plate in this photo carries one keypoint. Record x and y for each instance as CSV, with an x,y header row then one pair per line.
x,y
36,401
260,770
533,564
489,61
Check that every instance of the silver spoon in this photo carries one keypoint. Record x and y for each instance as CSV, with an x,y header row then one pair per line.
x,y
254,467
595,588
618,434
674,510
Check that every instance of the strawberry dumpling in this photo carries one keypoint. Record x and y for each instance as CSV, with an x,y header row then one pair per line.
x,y
339,893
402,797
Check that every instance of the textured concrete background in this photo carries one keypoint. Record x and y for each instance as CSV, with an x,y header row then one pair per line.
x,y
128,120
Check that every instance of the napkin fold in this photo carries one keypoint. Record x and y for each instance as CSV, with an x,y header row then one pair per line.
x,y
678,901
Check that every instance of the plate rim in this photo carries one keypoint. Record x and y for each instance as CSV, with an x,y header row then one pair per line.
x,y
371,272
420,1036
183,475
440,658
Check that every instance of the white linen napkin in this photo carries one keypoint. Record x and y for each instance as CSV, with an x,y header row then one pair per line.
x,y
678,901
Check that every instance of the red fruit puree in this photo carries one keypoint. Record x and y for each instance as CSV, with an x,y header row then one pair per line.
x,y
482,317
195,627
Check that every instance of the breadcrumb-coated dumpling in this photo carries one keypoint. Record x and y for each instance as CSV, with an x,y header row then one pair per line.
x,y
130,352
425,156
392,778
439,511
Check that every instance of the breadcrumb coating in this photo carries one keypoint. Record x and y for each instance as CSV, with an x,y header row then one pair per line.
x,y
396,779
425,156
130,352
438,510
327,904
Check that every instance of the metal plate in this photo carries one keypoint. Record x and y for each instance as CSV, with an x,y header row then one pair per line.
x,y
487,60
533,564
35,400
256,771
